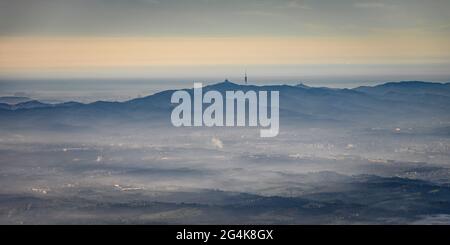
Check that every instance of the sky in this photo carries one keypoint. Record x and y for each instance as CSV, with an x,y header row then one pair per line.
x,y
161,38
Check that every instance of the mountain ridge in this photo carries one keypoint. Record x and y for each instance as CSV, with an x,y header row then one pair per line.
x,y
228,85
298,104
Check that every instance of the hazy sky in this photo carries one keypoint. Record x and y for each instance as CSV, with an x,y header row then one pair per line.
x,y
76,37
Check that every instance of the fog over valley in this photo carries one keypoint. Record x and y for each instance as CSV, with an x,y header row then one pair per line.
x,y
377,154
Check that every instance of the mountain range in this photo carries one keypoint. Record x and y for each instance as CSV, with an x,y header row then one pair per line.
x,y
387,103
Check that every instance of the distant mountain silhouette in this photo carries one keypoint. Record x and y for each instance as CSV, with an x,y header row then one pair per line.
x,y
13,100
386,103
407,87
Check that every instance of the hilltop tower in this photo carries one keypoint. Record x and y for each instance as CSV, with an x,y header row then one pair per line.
x,y
245,78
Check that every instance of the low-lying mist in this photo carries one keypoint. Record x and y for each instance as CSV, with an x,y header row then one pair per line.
x,y
394,169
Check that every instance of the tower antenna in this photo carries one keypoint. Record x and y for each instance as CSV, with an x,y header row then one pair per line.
x,y
245,78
